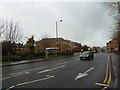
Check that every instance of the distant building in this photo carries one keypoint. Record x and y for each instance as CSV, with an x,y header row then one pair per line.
x,y
64,45
112,45
96,49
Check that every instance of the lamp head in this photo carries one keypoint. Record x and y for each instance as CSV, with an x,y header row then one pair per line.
x,y
60,20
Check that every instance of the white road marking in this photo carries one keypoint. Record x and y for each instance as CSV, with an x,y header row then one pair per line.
x,y
47,77
28,70
80,75
47,70
104,88
10,87
11,76
20,73
20,84
89,70
6,78
101,84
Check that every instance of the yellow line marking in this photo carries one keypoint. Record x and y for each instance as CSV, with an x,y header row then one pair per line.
x,y
106,77
109,80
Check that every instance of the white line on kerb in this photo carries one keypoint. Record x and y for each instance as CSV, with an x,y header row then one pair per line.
x,y
47,70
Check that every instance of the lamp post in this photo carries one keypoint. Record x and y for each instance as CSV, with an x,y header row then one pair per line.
x,y
93,46
57,34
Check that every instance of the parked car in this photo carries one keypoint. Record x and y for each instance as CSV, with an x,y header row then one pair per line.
x,y
87,55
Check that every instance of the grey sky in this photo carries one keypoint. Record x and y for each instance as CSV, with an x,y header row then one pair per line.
x,y
83,22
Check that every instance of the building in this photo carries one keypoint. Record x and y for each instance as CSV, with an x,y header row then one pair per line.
x,y
65,46
112,45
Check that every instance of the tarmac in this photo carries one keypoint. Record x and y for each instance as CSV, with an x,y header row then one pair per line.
x,y
115,64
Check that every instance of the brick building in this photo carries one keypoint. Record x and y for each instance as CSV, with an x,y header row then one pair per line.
x,y
112,45
64,45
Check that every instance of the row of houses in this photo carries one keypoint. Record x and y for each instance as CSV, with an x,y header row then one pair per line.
x,y
65,46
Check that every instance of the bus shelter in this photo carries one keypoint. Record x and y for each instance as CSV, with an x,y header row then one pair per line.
x,y
47,51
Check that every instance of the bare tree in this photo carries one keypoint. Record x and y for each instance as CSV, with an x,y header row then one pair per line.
x,y
2,24
114,11
12,32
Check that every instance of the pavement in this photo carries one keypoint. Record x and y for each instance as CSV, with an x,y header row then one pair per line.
x,y
116,69
70,72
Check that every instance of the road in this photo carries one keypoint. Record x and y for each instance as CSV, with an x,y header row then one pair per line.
x,y
60,73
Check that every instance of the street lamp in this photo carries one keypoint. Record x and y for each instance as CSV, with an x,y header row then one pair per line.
x,y
57,33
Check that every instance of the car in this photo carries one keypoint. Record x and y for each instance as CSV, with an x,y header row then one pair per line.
x,y
87,55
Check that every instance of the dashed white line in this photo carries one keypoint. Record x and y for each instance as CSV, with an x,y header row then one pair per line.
x,y
28,70
20,73
24,83
47,70
47,77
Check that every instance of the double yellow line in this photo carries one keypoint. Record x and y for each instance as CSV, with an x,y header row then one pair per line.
x,y
108,76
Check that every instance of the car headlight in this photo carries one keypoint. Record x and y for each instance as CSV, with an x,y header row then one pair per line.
x,y
87,55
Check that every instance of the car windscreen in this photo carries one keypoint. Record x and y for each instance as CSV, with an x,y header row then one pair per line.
x,y
85,53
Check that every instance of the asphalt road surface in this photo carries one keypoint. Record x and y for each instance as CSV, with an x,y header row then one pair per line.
x,y
60,73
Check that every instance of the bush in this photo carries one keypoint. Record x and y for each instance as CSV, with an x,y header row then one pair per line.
x,y
11,58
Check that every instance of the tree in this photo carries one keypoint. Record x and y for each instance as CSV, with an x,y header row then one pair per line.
x,y
2,24
7,48
114,11
30,44
11,34
10,31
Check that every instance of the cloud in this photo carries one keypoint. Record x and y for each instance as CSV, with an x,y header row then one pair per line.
x,y
82,22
